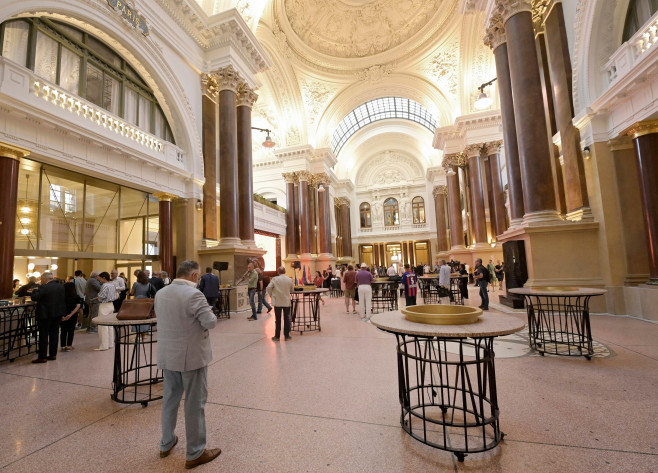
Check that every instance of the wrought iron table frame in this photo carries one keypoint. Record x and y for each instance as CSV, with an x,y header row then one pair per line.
x,y
223,304
305,311
19,335
455,291
384,296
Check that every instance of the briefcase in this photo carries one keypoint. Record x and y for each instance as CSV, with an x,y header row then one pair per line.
x,y
136,309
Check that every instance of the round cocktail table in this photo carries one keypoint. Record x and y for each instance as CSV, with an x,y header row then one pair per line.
x,y
558,319
447,380
305,310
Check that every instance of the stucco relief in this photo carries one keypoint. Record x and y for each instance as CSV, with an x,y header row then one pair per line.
x,y
340,29
388,169
444,67
315,96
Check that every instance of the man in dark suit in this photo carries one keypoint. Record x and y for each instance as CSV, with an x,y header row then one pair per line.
x,y
209,285
51,307
157,282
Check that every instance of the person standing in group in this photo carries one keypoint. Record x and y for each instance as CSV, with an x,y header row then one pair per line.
x,y
481,275
364,280
463,281
67,324
349,282
492,273
184,352
500,274
106,297
409,282
25,290
142,289
165,277
319,283
51,307
391,271
279,289
120,287
444,280
252,289
209,286
91,298
156,281
263,282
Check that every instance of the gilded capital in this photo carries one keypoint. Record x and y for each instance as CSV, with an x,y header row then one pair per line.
x,y
454,159
320,178
228,79
209,85
646,127
13,152
473,150
493,147
246,96
341,201
440,190
290,177
539,7
495,33
304,176
509,8
164,196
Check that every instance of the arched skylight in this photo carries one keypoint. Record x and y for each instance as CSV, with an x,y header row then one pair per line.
x,y
380,109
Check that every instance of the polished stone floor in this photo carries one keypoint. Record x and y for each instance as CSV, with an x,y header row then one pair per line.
x,y
328,401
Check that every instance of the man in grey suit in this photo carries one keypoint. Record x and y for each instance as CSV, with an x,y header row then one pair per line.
x,y
184,318
91,298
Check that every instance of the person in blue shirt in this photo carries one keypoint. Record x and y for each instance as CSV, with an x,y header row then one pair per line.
x,y
209,285
410,282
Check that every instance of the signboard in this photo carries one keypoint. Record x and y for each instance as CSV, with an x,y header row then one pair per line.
x,y
129,14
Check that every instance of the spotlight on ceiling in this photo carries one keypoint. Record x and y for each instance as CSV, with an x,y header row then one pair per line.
x,y
484,101
268,143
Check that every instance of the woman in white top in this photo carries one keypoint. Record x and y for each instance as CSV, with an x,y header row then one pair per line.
x,y
106,296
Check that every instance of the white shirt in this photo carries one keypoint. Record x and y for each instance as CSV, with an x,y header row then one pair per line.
x,y
119,284
391,271
444,276
279,289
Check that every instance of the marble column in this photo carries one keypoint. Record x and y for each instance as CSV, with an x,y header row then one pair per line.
x,y
324,214
295,215
346,226
339,228
535,155
497,40
477,194
645,141
291,228
440,193
577,199
245,101
496,184
166,232
305,213
10,156
228,81
451,164
210,154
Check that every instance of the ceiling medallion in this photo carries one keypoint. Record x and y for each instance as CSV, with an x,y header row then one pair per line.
x,y
353,28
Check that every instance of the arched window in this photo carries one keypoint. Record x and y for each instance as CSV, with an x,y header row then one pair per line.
x,y
84,66
418,209
391,213
638,13
365,215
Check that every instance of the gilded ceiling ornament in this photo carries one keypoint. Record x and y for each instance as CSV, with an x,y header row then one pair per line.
x,y
228,79
440,190
246,96
340,29
209,85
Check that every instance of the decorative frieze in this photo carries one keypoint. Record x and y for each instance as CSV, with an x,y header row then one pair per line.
x,y
246,96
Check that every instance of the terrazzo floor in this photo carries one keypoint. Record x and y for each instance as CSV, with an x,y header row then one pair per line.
x,y
328,402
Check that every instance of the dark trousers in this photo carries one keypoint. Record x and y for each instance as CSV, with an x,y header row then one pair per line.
x,y
48,337
118,301
483,293
211,303
411,300
68,330
262,300
277,321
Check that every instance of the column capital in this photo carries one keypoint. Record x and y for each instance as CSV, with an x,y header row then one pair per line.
x,y
290,177
474,150
320,178
454,159
509,8
440,190
228,79
164,196
340,201
246,96
209,85
495,32
12,151
493,147
304,176
638,129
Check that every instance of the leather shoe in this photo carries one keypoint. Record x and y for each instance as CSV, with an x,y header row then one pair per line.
x,y
52,358
40,360
165,453
207,456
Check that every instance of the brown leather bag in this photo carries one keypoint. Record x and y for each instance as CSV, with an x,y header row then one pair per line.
x,y
136,309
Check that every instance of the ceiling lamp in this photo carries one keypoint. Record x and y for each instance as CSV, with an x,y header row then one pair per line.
x,y
25,209
268,143
484,101
25,221
25,231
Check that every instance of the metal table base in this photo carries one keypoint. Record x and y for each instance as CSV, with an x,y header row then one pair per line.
x,y
305,312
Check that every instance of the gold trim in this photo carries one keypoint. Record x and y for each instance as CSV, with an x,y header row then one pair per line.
x,y
164,196
646,127
13,152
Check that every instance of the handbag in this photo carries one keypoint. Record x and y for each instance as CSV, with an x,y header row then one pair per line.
x,y
136,309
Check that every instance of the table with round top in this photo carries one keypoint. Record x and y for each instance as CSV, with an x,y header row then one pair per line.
x,y
135,367
447,380
558,319
305,310
384,295
223,304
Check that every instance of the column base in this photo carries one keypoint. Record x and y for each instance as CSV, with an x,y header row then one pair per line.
x,y
230,242
481,245
250,244
206,243
541,218
583,214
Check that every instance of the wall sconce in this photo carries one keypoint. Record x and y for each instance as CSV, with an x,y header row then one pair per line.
x,y
586,152
268,143
198,205
484,101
